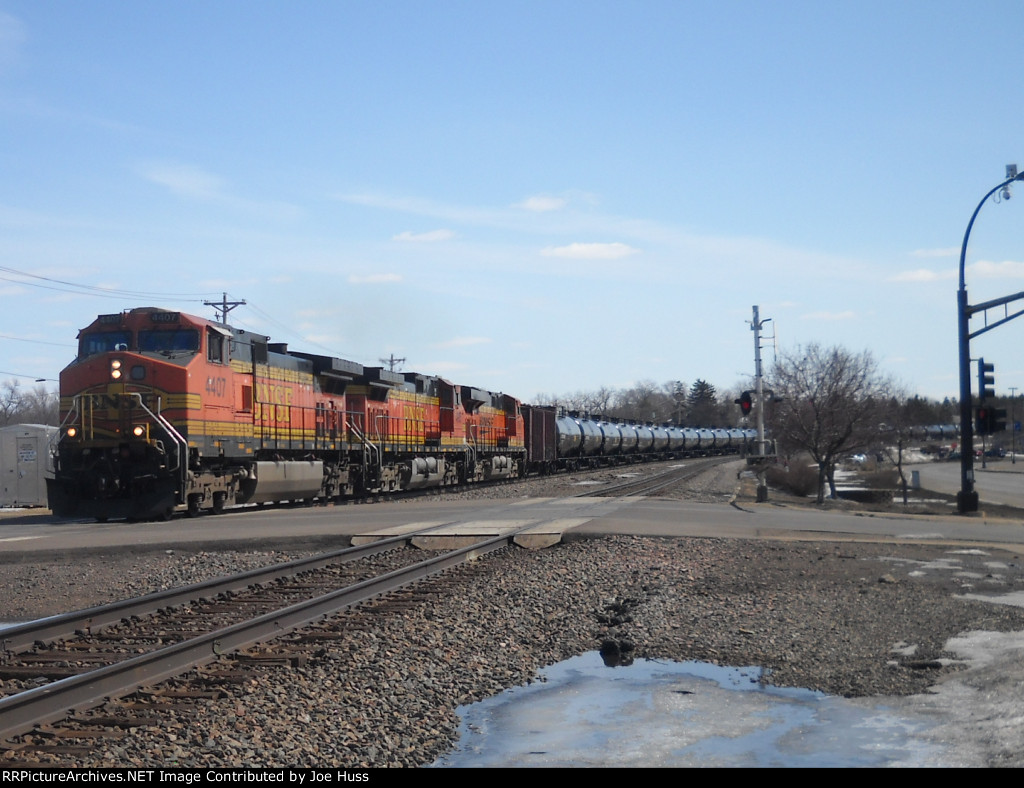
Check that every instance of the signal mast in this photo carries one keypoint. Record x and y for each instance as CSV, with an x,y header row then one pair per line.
x,y
764,454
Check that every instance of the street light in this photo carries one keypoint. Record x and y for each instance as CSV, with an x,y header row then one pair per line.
x,y
967,498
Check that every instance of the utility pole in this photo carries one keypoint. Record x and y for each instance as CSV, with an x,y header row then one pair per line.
x,y
223,307
392,362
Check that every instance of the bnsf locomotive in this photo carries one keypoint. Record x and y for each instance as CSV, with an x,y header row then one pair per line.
x,y
164,412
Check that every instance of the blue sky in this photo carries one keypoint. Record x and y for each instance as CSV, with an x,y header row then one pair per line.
x,y
532,197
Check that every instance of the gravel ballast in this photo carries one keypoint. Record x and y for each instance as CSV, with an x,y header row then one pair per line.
x,y
851,619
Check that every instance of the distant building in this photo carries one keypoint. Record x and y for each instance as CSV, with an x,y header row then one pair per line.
x,y
25,463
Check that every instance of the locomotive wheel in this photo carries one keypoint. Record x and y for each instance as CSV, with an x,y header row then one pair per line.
x,y
193,505
218,502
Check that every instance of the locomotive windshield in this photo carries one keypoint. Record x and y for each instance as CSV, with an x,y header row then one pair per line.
x,y
103,342
174,340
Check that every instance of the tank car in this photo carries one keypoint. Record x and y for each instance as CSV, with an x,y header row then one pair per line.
x,y
164,411
558,440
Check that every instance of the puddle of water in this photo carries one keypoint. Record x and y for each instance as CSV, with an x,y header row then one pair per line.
x,y
666,714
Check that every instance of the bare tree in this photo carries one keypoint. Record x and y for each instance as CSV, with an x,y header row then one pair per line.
x,y
832,403
37,406
644,401
901,415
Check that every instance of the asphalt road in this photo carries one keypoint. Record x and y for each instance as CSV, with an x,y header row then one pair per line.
x,y
1001,481
580,517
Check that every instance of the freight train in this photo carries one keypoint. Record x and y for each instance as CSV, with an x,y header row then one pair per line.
x,y
164,412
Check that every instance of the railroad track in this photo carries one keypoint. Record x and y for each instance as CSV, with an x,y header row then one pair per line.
x,y
673,476
54,670
71,663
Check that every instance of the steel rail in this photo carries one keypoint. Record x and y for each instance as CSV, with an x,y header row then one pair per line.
x,y
656,482
22,637
25,711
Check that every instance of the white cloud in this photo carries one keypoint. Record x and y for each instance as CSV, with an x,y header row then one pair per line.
x,y
984,269
431,236
592,251
1008,269
542,203
373,279
191,182
184,180
923,275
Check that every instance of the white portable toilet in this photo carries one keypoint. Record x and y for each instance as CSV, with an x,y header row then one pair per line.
x,y
25,463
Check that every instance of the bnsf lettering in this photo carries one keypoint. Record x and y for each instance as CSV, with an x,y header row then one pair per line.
x,y
111,401
414,412
274,403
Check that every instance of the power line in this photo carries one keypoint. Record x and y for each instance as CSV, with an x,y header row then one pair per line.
x,y
18,375
105,292
36,341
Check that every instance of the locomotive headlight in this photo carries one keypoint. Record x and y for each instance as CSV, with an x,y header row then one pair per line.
x,y
115,369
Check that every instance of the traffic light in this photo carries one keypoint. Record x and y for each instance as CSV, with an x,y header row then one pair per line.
x,y
745,402
981,421
986,380
989,420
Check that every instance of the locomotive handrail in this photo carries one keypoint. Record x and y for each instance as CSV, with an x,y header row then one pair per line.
x,y
180,443
368,446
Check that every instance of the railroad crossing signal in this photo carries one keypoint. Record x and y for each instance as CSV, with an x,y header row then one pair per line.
x,y
746,402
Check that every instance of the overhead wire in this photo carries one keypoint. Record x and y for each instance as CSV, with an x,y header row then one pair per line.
x,y
290,331
103,292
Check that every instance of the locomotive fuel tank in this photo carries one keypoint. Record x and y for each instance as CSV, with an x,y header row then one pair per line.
x,y
282,481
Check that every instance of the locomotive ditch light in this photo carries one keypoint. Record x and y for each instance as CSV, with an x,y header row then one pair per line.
x,y
138,430
72,432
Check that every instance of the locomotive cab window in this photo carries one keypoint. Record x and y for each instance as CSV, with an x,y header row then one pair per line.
x,y
103,342
216,345
169,341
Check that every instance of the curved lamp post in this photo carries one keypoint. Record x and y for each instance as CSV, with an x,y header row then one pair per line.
x,y
967,498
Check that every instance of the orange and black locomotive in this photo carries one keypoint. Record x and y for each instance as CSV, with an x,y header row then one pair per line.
x,y
163,411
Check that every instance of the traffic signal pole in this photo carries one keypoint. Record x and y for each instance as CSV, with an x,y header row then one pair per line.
x,y
967,498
